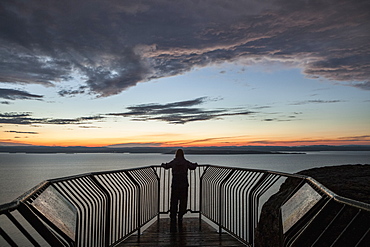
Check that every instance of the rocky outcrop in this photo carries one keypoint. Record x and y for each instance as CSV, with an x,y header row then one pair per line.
x,y
351,181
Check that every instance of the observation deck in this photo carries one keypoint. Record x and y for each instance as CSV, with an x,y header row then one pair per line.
x,y
228,207
192,233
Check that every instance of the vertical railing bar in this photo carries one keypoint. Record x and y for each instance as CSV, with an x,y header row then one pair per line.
x,y
238,208
27,212
111,182
248,182
107,219
142,196
58,188
362,238
130,191
95,212
190,192
144,180
221,198
215,192
111,190
163,177
88,219
274,178
345,229
8,239
207,186
328,225
152,178
298,234
261,190
163,189
251,205
230,189
99,202
169,178
255,177
252,177
138,203
124,199
143,175
201,196
62,186
22,229
158,195
147,195
218,189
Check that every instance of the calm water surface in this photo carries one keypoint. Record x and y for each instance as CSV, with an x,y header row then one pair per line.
x,y
21,172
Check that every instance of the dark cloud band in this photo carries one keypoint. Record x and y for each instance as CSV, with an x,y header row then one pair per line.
x,y
27,119
113,45
12,94
178,112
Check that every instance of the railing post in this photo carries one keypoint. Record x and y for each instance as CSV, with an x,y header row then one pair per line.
x,y
158,193
201,197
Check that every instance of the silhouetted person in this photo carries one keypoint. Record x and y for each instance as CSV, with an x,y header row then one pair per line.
x,y
179,187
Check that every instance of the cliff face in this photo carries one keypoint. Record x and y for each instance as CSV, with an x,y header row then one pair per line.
x,y
351,181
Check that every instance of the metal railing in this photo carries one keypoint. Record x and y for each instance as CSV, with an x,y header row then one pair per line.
x,y
104,208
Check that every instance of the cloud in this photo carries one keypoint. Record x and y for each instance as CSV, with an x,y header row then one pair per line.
x,y
364,85
72,92
12,94
22,132
316,141
135,144
317,102
27,119
180,112
356,138
88,127
19,118
113,45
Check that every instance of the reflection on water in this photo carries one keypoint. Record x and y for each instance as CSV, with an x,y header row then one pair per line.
x,y
21,172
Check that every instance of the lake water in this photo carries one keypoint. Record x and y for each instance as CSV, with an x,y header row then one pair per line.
x,y
21,172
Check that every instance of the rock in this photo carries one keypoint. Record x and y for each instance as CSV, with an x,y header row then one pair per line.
x,y
351,181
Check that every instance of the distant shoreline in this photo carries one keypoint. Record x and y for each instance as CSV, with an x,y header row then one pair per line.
x,y
188,150
231,152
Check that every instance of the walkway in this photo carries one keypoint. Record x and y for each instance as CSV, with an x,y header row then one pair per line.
x,y
158,234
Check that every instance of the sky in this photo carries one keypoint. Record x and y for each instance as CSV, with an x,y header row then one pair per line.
x,y
184,73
